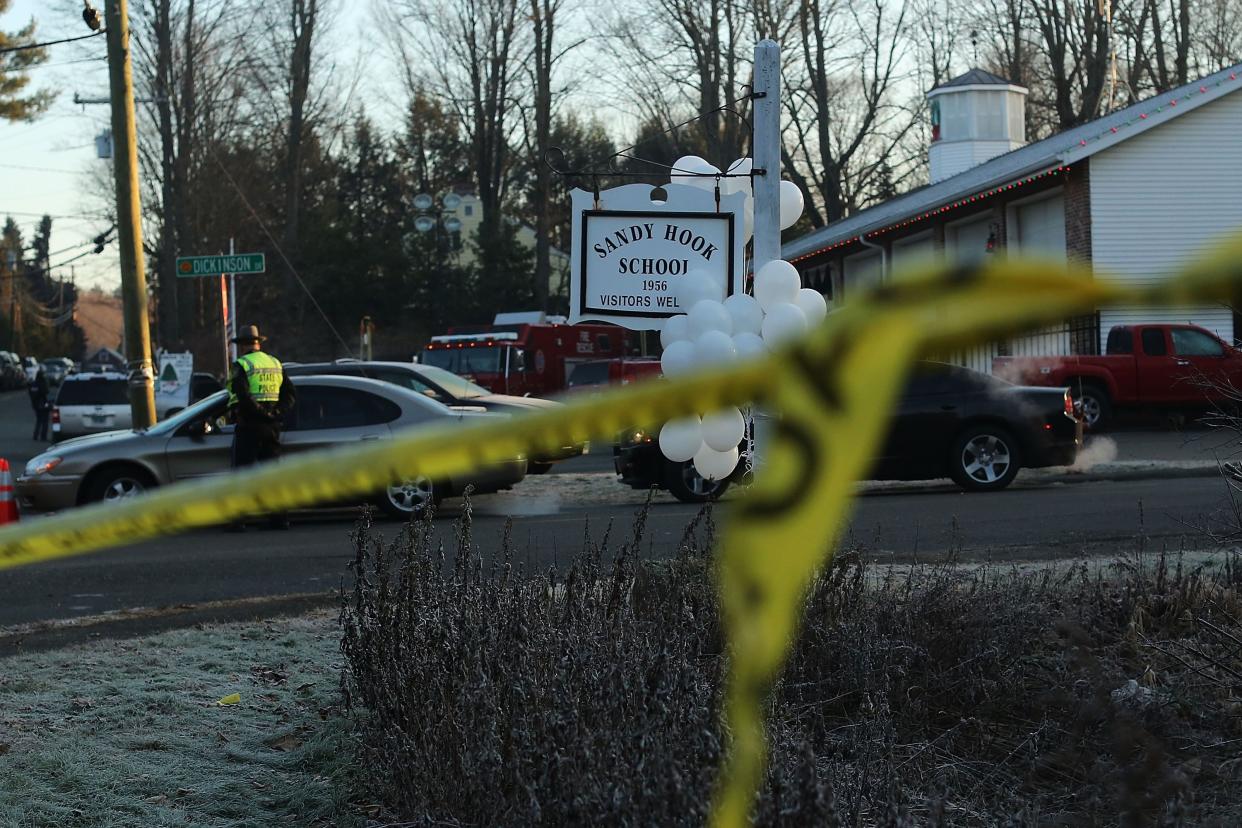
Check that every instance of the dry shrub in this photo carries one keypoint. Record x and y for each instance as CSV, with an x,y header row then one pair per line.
x,y
934,694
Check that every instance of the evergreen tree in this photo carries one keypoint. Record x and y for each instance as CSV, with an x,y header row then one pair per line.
x,y
14,105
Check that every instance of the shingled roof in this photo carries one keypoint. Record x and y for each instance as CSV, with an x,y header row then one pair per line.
x,y
976,77
1061,149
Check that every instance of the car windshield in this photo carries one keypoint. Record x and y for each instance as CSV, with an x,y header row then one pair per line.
x,y
458,387
470,360
198,411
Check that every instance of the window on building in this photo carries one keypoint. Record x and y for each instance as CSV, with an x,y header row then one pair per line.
x,y
468,209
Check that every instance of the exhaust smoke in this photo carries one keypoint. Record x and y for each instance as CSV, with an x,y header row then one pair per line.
x,y
1098,450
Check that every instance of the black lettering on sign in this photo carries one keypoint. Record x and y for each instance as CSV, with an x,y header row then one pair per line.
x,y
808,457
823,372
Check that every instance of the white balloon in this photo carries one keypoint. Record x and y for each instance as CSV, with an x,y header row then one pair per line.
x,y
813,305
685,169
741,166
676,329
709,315
791,204
715,465
680,440
714,348
749,345
777,283
694,287
678,358
745,312
783,323
723,430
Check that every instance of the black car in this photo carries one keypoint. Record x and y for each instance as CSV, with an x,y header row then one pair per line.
x,y
444,387
950,422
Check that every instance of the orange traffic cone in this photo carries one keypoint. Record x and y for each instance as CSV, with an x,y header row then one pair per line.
x,y
8,501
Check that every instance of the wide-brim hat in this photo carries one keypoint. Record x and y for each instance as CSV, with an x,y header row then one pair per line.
x,y
250,333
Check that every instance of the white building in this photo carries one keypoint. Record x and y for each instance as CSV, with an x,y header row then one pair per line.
x,y
470,213
1136,193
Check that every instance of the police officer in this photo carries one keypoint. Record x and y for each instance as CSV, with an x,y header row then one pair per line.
x,y
39,401
260,395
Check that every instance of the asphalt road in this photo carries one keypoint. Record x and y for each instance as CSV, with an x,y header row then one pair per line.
x,y
1057,520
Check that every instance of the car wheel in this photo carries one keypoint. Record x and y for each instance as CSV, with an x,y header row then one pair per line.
x,y
116,484
409,498
687,485
538,468
985,458
1097,410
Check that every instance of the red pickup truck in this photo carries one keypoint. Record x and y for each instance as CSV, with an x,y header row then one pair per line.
x,y
1174,366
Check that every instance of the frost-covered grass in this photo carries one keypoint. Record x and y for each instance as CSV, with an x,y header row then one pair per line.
x,y
129,733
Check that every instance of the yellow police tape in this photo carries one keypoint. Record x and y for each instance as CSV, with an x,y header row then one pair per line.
x,y
832,391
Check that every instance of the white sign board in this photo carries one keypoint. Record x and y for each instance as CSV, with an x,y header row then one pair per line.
x,y
632,258
172,383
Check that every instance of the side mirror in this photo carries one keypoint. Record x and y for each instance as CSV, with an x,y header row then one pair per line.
x,y
200,429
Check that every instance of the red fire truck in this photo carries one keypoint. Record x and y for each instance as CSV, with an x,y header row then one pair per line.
x,y
524,358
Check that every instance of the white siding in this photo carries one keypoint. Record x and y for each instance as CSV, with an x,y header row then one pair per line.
x,y
1163,196
948,158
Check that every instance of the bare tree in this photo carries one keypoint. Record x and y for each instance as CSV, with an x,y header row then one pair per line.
x,y
185,55
1074,39
689,57
845,125
546,20
467,53
303,17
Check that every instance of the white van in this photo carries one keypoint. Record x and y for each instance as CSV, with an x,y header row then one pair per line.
x,y
89,404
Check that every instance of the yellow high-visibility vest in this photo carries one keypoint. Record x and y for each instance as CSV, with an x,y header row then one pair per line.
x,y
263,375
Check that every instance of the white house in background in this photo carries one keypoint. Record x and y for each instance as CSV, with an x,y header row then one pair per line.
x,y
470,213
1135,193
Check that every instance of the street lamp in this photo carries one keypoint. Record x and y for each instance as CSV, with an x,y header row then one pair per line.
x,y
429,215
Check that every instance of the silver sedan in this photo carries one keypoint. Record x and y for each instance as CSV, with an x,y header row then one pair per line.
x,y
196,442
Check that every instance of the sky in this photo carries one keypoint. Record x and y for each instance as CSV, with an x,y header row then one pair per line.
x,y
46,166
50,165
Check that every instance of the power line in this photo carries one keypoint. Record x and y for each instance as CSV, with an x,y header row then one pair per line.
x,y
99,59
63,216
74,259
50,42
276,245
38,169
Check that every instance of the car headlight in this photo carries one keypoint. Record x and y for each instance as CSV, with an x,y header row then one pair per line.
x,y
42,464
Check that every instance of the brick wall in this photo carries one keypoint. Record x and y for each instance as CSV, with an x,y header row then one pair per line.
x,y
1077,185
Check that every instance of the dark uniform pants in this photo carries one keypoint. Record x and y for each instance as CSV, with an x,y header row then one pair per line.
x,y
40,430
255,443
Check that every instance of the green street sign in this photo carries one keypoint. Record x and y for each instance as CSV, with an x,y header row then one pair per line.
x,y
216,265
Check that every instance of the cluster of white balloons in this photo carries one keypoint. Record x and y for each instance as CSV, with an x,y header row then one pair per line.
x,y
715,333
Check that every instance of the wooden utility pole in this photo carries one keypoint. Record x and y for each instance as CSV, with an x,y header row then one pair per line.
x,y
129,217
